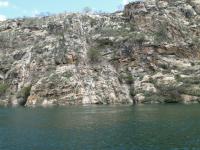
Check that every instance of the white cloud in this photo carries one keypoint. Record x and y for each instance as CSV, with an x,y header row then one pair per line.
x,y
4,3
2,18
35,12
125,2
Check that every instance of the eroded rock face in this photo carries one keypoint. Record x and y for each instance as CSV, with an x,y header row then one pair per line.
x,y
147,54
79,86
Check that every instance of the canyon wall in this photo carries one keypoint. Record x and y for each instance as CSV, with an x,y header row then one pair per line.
x,y
149,53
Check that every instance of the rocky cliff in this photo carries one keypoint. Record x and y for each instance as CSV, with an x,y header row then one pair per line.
x,y
147,54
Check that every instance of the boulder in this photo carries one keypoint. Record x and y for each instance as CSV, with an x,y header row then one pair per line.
x,y
139,98
3,103
195,4
188,99
187,10
135,8
162,4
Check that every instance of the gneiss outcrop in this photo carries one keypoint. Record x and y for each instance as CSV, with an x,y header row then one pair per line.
x,y
149,53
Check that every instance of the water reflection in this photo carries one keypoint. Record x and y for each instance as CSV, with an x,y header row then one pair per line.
x,y
101,127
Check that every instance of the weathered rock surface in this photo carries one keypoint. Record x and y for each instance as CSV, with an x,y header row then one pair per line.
x,y
147,54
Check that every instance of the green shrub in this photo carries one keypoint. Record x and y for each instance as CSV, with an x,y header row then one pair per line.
x,y
152,81
104,42
111,31
188,89
24,93
161,34
159,97
178,77
170,93
127,77
94,55
154,97
133,26
189,80
93,22
3,88
140,39
137,39
132,91
196,42
164,66
29,22
67,74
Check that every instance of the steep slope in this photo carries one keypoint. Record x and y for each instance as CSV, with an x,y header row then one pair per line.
x,y
147,54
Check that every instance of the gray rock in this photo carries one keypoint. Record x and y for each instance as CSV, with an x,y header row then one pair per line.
x,y
141,55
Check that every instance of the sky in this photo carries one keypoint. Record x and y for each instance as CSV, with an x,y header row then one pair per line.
x,y
31,8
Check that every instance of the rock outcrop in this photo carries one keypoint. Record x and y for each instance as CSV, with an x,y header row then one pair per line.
x,y
147,54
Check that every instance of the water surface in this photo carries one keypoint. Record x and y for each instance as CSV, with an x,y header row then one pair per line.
x,y
147,127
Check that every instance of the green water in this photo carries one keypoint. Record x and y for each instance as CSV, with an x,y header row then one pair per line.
x,y
148,127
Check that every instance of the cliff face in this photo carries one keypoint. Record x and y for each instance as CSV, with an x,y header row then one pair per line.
x,y
147,54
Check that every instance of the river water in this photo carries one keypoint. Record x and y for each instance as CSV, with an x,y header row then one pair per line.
x,y
147,127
